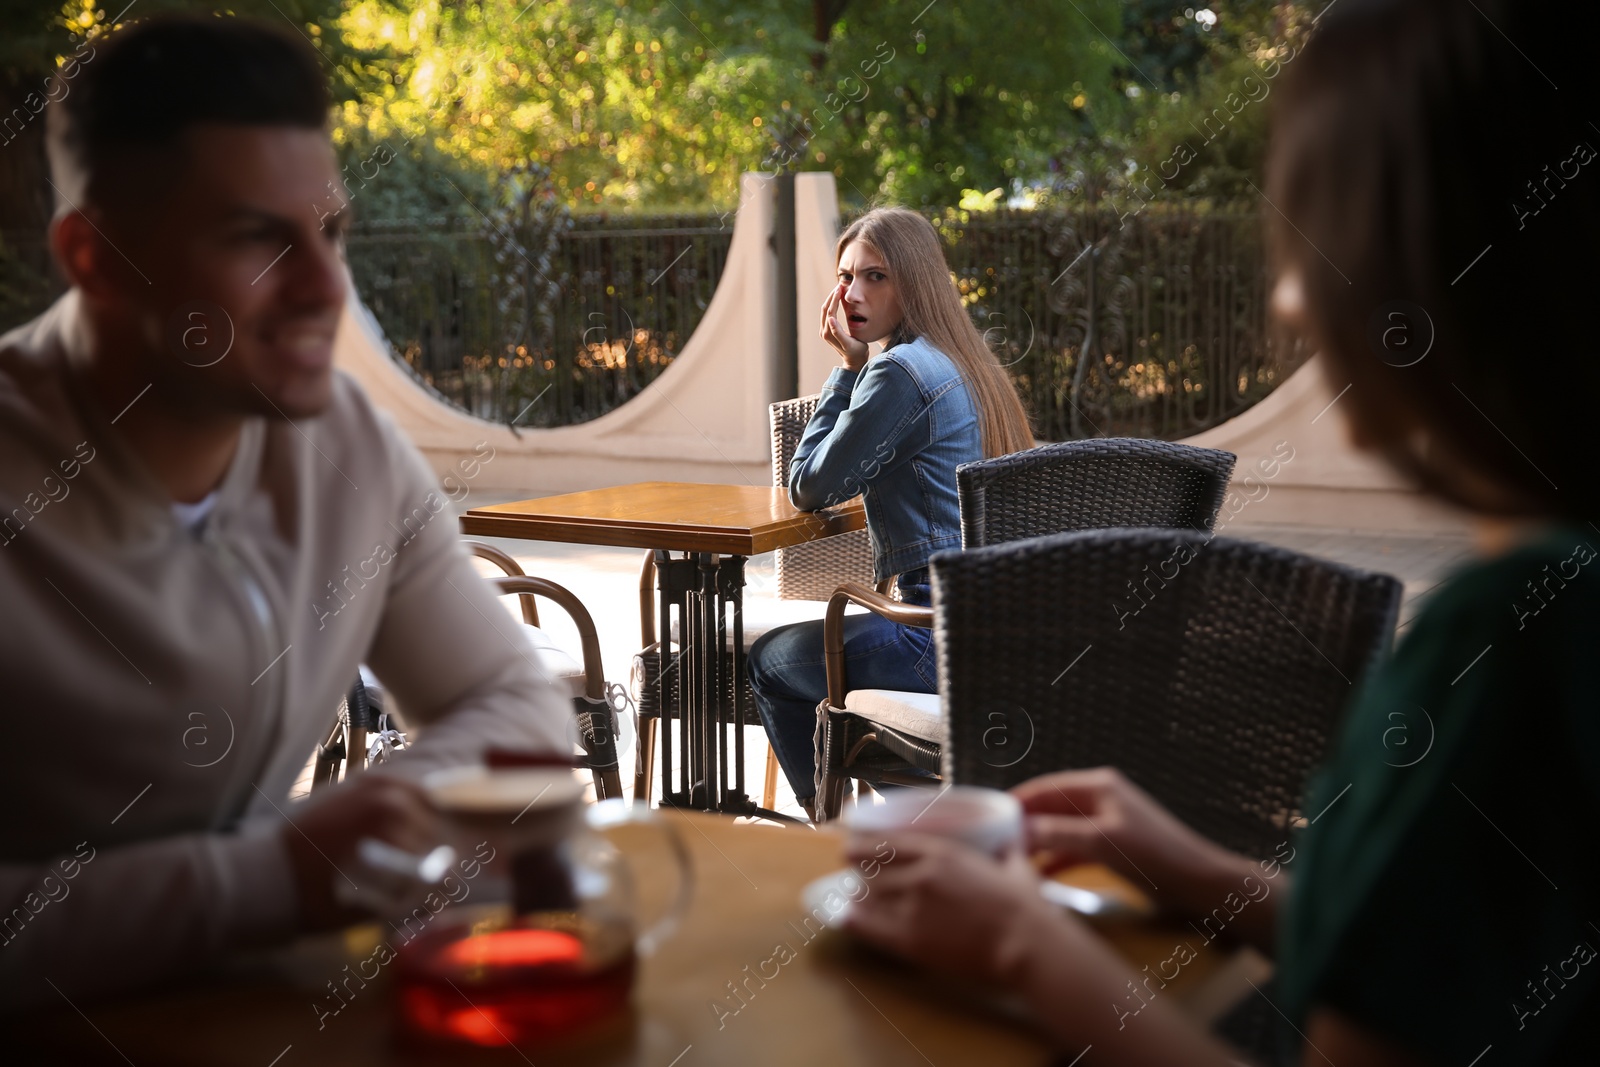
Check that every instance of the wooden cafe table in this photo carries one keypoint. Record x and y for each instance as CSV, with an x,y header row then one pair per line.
x,y
823,1002
714,528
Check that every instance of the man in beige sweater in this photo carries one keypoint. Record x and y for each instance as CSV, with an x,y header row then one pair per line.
x,y
204,530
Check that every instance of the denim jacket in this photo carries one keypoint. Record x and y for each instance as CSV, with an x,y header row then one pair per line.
x,y
893,432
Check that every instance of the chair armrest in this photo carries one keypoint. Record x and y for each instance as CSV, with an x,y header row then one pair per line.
x,y
647,600
593,674
833,628
503,560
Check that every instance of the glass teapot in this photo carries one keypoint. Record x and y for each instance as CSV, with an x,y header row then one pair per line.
x,y
540,940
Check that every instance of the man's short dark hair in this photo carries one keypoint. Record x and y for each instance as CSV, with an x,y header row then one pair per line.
x,y
149,81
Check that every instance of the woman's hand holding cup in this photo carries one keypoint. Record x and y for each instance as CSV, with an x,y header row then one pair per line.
x,y
957,893
1099,816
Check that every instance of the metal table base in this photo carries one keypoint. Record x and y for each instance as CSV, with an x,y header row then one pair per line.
x,y
707,592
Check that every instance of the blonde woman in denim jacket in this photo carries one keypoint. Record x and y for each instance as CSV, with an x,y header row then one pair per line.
x,y
891,428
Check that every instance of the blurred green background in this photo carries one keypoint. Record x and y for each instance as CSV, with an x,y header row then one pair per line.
x,y
543,190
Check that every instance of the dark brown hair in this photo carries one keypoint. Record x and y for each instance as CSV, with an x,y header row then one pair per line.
x,y
1432,187
140,86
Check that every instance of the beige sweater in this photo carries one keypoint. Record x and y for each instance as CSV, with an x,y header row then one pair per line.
x,y
160,690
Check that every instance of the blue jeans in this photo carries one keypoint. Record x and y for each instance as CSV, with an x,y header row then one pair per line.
x,y
789,678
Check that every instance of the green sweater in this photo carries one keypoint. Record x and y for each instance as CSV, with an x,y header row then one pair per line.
x,y
1448,889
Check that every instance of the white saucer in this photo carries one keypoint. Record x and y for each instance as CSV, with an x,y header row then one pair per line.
x,y
828,898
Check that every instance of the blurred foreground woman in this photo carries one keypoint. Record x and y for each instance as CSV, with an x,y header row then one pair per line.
x,y
1433,210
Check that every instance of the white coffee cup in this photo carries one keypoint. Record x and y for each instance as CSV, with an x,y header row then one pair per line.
x,y
989,820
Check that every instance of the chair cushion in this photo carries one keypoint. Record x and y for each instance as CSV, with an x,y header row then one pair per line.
x,y
556,661
918,714
763,613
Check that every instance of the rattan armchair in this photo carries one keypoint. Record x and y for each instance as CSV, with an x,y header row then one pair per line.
x,y
586,682
345,749
343,752
882,736
813,570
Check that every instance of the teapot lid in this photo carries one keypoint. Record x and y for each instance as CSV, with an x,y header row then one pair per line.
x,y
480,790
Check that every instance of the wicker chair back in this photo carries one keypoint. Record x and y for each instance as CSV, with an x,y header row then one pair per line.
x,y
1212,671
1091,484
812,571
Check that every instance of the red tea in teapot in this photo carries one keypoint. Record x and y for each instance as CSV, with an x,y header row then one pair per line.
x,y
548,946
515,984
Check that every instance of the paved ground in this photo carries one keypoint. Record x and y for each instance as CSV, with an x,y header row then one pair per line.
x,y
606,580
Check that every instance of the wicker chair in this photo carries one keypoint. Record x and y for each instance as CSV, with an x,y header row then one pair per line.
x,y
346,745
883,736
813,570
585,682
1093,484
1212,672
344,750
807,572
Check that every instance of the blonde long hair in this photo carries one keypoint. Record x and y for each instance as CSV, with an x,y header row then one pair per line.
x,y
932,308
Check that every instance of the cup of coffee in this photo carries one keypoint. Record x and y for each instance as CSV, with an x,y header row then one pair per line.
x,y
989,820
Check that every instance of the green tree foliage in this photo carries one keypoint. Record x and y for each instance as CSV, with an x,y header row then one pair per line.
x,y
40,33
624,107
47,42
974,96
1200,94
665,106
1164,44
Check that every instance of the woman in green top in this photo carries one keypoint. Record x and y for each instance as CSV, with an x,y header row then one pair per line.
x,y
1433,197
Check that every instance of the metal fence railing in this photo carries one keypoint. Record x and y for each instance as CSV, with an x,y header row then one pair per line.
x,y
629,294
1154,325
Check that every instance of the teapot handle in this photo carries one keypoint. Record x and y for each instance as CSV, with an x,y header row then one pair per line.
x,y
612,813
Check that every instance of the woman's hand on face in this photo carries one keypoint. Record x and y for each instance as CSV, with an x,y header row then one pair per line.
x,y
941,903
1098,816
852,351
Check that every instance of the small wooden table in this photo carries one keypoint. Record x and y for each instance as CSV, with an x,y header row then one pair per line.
x,y
715,528
700,1001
